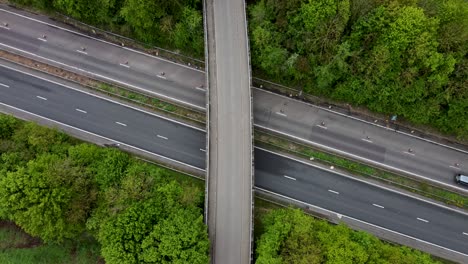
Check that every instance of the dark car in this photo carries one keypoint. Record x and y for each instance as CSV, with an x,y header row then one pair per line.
x,y
461,179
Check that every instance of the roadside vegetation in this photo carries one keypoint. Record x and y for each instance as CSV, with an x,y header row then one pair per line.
x,y
398,57
17,247
291,236
58,189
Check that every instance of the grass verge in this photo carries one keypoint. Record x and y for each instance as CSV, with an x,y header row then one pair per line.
x,y
17,247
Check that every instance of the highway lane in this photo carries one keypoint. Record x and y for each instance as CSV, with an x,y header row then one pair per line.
x,y
356,139
99,116
142,71
361,201
354,198
342,135
230,164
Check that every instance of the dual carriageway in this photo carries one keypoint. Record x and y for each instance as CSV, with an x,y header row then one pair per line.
x,y
279,174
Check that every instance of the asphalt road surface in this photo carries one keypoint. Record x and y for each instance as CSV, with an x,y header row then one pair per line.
x,y
328,190
102,117
229,175
341,134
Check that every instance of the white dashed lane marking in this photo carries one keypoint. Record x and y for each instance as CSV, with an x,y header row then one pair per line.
x,y
82,52
82,111
332,191
122,124
163,137
4,85
291,178
42,98
379,206
423,220
281,114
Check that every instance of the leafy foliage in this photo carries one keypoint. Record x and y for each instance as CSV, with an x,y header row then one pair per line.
x,y
144,221
292,237
56,188
49,198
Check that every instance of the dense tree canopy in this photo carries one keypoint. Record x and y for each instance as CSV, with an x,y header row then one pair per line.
x,y
292,237
56,188
49,198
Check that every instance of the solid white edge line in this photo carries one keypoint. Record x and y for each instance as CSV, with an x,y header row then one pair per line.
x,y
100,40
163,137
377,205
82,111
332,191
361,158
4,85
103,98
365,182
42,98
103,137
361,221
291,178
422,220
122,124
361,120
107,78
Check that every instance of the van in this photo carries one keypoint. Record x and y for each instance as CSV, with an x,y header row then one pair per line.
x,y
461,179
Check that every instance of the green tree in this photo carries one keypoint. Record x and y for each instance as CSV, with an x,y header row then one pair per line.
x,y
50,198
180,238
8,125
39,139
41,4
401,70
145,216
110,169
292,237
188,32
94,11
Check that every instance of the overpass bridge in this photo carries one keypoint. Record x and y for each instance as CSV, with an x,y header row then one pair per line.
x,y
229,139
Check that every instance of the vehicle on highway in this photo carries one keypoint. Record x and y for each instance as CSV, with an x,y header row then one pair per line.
x,y
461,179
